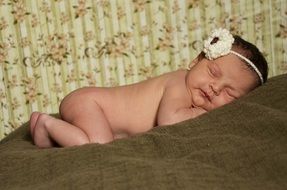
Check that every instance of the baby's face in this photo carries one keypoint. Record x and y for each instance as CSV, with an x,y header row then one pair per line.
x,y
218,82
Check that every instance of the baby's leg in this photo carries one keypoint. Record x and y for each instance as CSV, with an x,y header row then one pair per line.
x,y
82,121
90,118
88,125
49,129
82,110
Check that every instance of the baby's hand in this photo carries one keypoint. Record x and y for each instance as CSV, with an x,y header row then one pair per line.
x,y
181,115
197,111
120,135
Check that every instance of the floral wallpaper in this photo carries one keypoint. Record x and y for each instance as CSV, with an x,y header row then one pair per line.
x,y
50,47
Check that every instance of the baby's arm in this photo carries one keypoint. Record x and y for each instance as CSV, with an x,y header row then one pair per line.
x,y
170,113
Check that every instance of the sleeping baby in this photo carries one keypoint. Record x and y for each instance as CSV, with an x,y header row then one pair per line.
x,y
227,68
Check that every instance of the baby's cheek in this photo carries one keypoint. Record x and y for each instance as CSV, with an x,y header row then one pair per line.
x,y
199,101
220,101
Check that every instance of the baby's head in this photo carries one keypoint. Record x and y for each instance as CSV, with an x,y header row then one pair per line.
x,y
227,68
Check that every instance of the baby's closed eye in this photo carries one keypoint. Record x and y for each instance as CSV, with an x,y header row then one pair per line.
x,y
231,94
214,70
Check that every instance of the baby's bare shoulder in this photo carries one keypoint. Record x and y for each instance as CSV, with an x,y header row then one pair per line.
x,y
176,95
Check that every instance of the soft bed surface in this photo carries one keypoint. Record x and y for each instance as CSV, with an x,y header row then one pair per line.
x,y
239,146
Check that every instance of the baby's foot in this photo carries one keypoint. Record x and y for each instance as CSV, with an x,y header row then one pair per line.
x,y
33,120
41,136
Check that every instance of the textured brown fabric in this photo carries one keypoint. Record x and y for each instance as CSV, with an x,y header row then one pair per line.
x,y
242,145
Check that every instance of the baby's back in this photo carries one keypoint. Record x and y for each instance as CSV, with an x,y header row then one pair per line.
x,y
133,108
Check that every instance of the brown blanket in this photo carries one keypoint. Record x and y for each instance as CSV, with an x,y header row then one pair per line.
x,y
242,145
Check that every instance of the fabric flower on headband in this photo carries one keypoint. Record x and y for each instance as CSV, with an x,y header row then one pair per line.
x,y
218,44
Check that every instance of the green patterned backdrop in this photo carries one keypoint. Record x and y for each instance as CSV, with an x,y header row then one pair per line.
x,y
50,47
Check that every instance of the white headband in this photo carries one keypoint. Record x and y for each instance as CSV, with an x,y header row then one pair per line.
x,y
250,63
223,47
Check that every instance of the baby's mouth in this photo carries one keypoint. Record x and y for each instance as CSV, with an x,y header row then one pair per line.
x,y
205,95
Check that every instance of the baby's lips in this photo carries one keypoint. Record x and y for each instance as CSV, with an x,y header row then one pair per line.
x,y
205,95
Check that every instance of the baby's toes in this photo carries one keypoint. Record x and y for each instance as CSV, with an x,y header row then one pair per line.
x,y
33,120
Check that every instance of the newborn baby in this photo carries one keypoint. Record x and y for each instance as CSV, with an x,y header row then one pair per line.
x,y
227,68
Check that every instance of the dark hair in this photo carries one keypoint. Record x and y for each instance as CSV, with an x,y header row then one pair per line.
x,y
252,53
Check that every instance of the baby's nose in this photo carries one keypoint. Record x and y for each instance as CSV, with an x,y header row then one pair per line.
x,y
216,89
